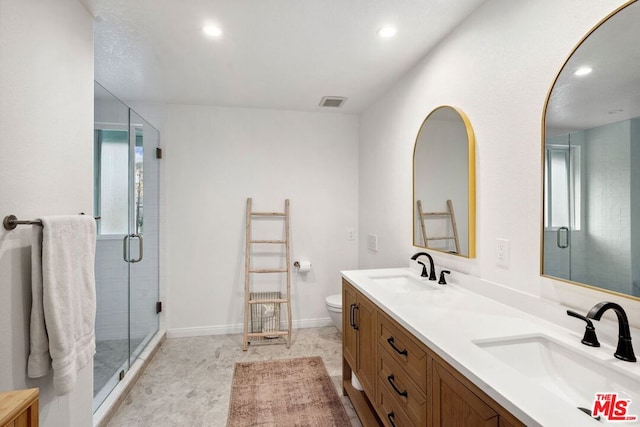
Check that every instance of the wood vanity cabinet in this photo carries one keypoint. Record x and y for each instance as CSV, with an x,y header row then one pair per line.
x,y
358,315
455,404
402,375
19,408
405,383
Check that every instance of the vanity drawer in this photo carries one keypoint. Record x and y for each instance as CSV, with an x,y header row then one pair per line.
x,y
395,384
409,356
390,412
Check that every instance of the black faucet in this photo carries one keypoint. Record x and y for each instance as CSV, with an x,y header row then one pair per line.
x,y
624,350
432,273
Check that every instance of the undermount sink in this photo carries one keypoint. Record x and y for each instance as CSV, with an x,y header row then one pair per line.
x,y
564,371
403,283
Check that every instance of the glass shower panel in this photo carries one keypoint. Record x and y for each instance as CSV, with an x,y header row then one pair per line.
x,y
556,213
111,199
143,290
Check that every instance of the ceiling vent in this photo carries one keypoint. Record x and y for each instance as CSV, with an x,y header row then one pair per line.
x,y
332,101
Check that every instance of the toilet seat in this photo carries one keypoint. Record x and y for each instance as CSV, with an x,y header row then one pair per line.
x,y
334,301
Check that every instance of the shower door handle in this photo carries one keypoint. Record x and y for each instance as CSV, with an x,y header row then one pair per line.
x,y
125,252
141,243
559,233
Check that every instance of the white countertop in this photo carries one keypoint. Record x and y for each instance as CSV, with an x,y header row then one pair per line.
x,y
449,318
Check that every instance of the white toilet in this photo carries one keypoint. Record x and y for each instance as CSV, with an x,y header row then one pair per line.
x,y
334,307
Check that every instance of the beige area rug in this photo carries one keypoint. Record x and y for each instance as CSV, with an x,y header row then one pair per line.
x,y
293,392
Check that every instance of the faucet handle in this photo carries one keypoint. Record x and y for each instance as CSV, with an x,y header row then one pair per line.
x,y
590,337
442,280
424,269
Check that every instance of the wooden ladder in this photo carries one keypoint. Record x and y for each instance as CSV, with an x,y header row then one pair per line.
x,y
249,270
428,215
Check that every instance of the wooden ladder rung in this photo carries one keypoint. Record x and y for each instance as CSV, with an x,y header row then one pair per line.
x,y
269,241
436,214
268,270
267,334
268,214
268,301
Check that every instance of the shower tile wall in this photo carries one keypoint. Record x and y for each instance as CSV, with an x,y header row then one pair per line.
x,y
111,290
608,204
635,206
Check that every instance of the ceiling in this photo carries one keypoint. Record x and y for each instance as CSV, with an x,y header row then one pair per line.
x,y
282,54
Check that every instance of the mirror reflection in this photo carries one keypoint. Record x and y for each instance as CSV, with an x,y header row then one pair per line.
x,y
444,183
591,206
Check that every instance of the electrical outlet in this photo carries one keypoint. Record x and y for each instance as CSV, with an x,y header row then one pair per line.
x,y
372,242
502,253
351,234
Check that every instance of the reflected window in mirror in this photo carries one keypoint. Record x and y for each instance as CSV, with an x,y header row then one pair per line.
x,y
591,146
444,183
562,185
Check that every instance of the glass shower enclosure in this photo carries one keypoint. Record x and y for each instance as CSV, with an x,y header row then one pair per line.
x,y
126,198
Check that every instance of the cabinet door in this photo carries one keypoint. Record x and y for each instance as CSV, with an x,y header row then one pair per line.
x,y
454,405
349,334
365,320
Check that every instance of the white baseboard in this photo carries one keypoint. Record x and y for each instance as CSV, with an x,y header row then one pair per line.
x,y
237,328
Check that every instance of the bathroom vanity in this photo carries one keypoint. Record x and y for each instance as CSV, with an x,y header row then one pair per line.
x,y
19,408
433,355
403,380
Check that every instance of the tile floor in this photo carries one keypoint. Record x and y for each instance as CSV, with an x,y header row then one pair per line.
x,y
188,382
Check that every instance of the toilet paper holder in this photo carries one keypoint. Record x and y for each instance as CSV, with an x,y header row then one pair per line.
x,y
302,266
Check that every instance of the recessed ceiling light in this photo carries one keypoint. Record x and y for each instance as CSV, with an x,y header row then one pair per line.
x,y
212,31
386,32
583,71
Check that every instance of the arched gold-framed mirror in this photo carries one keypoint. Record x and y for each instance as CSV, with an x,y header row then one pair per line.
x,y
590,150
444,183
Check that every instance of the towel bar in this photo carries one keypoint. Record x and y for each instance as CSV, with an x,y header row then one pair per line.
x,y
11,221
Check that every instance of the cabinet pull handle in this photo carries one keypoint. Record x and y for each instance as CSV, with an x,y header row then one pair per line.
x,y
355,323
391,417
404,352
391,379
351,315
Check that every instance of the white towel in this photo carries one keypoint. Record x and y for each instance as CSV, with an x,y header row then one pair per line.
x,y
63,307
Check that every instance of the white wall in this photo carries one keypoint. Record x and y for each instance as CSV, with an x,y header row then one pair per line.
x,y
217,157
46,122
498,67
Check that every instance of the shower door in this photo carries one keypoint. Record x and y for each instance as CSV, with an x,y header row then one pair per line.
x,y
562,213
143,240
126,184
